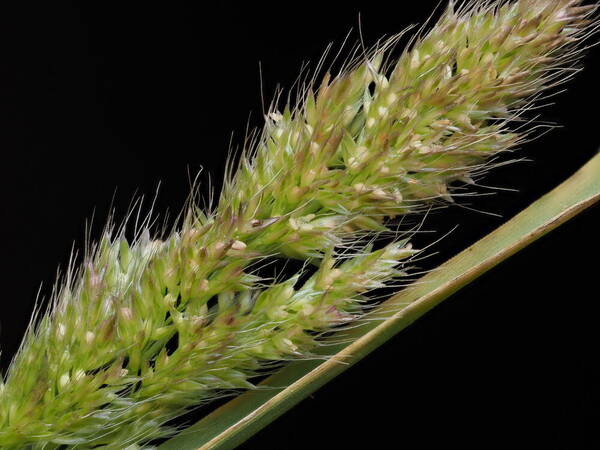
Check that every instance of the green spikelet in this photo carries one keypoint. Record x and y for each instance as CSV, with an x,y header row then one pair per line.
x,y
374,142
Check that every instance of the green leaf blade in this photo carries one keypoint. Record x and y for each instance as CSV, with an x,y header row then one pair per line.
x,y
236,421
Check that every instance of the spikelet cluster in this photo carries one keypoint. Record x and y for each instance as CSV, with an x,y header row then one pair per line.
x,y
144,330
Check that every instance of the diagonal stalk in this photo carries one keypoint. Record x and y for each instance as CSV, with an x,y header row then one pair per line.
x,y
236,421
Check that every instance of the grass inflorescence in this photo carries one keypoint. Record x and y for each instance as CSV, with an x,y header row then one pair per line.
x,y
145,330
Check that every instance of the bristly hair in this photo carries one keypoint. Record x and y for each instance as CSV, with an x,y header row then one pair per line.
x,y
145,330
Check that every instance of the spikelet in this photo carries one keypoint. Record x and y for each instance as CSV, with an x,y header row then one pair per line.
x,y
374,142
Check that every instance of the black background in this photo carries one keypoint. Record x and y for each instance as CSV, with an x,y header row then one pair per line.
x,y
123,96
